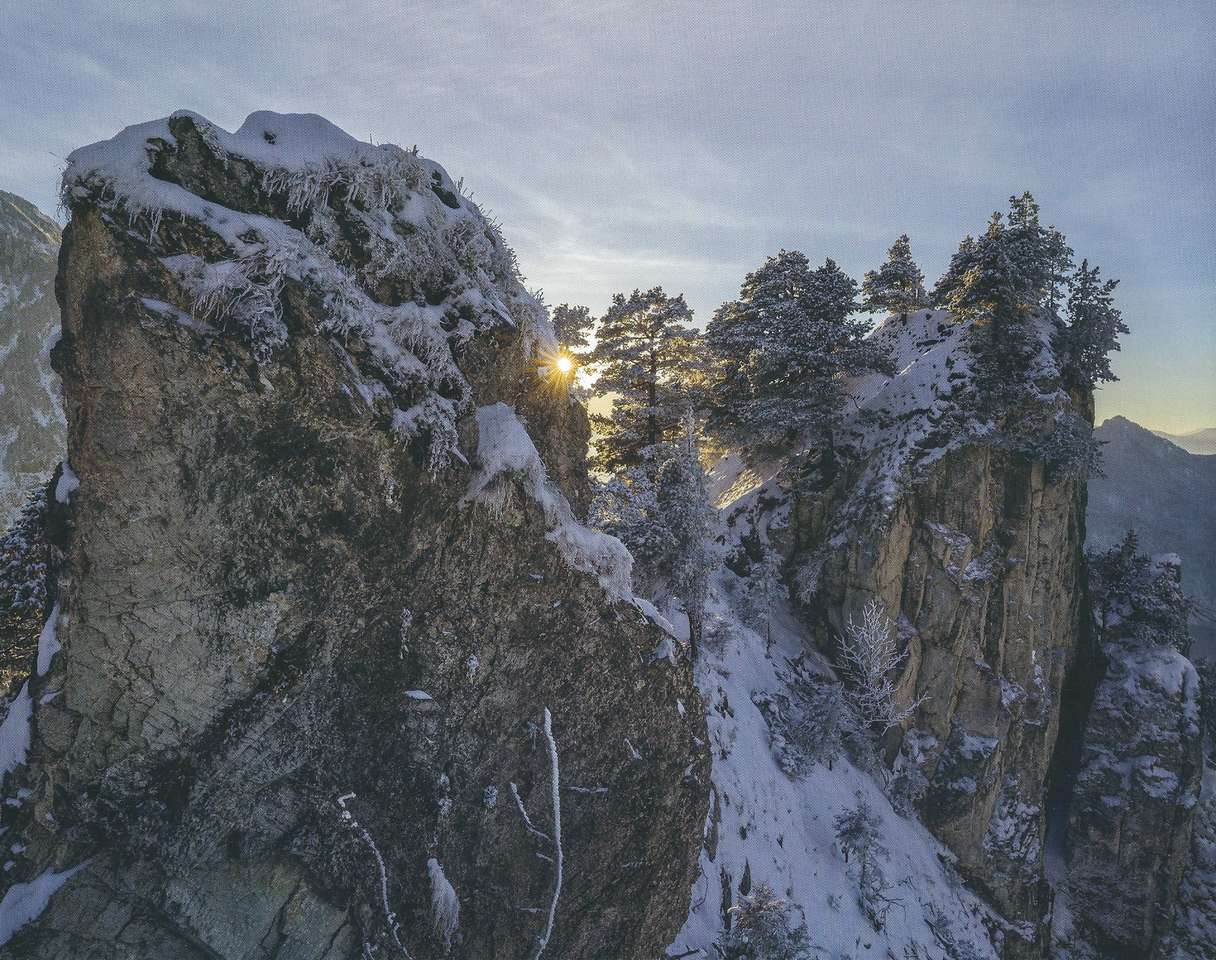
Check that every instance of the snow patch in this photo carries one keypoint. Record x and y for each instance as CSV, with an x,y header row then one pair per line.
x,y
505,451
24,902
68,484
48,642
15,732
445,906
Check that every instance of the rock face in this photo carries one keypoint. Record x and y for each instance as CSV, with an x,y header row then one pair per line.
x,y
314,668
1130,820
31,415
987,589
976,554
1138,786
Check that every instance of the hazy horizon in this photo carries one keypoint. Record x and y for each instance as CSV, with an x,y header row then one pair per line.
x,y
628,146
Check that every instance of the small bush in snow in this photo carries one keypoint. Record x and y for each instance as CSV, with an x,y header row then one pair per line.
x,y
858,839
762,929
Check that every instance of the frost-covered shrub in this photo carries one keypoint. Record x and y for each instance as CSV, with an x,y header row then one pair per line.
x,y
871,659
762,928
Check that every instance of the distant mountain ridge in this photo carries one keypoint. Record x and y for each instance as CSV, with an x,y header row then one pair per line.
x,y
32,424
1166,495
1202,441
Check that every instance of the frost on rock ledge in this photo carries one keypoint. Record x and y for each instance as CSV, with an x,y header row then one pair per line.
x,y
401,265
505,450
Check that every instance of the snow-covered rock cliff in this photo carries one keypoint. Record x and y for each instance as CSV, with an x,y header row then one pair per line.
x,y
339,673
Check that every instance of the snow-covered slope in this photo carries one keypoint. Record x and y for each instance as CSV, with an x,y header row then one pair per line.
x,y
770,826
31,416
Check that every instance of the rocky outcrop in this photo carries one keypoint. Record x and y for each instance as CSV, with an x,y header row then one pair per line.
x,y
1141,766
1129,832
323,687
31,415
975,551
982,562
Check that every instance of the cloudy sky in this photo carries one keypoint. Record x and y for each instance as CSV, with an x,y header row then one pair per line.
x,y
632,143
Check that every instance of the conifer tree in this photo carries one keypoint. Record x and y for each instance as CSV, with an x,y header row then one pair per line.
x,y
897,286
645,351
1094,326
572,324
959,264
990,288
782,350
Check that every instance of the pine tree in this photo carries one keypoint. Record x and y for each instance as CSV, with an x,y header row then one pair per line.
x,y
897,286
1138,599
762,592
645,352
781,352
857,836
572,324
626,506
1060,264
1030,248
959,264
1094,326
762,929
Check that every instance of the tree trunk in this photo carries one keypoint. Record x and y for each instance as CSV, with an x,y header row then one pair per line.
x,y
652,421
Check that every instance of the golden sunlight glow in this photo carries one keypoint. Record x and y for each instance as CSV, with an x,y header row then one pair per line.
x,y
564,364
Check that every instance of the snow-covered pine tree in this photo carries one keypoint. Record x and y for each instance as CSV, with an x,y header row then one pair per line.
x,y
897,286
1137,598
1030,246
572,324
763,929
857,836
645,352
781,352
959,264
1059,268
1094,326
626,506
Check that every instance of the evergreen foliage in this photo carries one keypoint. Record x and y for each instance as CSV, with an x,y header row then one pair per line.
x,y
762,929
644,353
1137,598
1094,326
781,352
898,286
857,836
25,556
572,325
